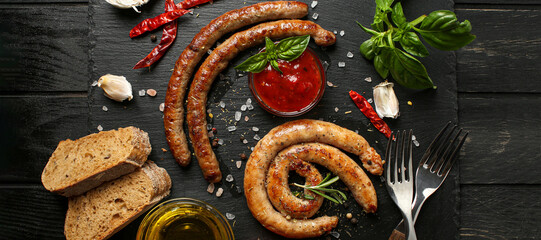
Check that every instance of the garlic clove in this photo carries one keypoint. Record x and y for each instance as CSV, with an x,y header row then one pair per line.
x,y
127,3
385,100
116,87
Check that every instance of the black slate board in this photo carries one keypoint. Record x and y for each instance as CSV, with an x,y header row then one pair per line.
x,y
112,51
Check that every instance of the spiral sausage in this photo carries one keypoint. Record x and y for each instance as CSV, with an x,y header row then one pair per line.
x,y
294,132
280,194
218,61
184,67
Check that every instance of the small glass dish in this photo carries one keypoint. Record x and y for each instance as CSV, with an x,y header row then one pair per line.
x,y
313,102
184,218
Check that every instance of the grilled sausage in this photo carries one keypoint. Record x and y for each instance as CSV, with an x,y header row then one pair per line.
x,y
331,158
217,61
281,196
185,65
294,132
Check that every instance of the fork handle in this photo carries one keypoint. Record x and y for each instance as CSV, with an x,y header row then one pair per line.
x,y
410,227
399,230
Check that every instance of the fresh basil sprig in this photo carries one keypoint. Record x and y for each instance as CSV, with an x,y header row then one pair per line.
x,y
394,45
288,49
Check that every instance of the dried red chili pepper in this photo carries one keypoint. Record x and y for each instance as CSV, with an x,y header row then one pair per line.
x,y
369,112
150,24
168,37
187,4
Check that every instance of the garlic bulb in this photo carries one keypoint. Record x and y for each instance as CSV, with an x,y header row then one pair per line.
x,y
116,87
385,100
127,3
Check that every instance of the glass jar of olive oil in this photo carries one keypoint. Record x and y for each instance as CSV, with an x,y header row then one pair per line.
x,y
184,218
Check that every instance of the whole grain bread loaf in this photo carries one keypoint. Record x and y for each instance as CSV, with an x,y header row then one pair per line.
x,y
78,166
103,211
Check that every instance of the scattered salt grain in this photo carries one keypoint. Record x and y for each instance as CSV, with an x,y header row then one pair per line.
x,y
245,141
209,52
219,192
257,138
336,109
414,140
341,64
220,141
243,108
229,216
100,128
252,149
250,107
330,84
229,178
239,164
315,16
342,33
335,32
255,129
240,75
368,79
238,115
151,92
325,65
231,128
350,55
142,93
314,4
222,104
246,118
370,100
104,108
95,83
210,188
248,101
162,107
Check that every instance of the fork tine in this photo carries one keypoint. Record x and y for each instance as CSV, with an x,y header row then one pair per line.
x,y
402,163
388,158
443,158
396,156
410,150
441,145
452,158
429,150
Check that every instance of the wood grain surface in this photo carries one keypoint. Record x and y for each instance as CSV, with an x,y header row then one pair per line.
x,y
52,50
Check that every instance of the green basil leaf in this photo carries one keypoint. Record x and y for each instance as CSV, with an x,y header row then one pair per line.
x,y
270,48
367,49
384,5
380,64
368,30
378,23
274,65
255,64
291,48
407,70
442,30
413,45
398,16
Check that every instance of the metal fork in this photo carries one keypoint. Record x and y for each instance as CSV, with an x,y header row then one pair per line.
x,y
401,188
433,168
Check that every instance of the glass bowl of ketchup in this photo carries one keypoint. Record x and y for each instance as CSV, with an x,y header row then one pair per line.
x,y
294,92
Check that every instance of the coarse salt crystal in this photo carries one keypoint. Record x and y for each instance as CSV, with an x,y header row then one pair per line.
x,y
219,192
370,100
142,93
336,109
368,79
229,216
350,55
100,128
231,128
238,115
246,118
335,32
314,4
220,141
245,141
151,92
342,33
243,108
240,75
104,108
162,107
252,149
239,164
210,188
222,104
257,138
329,84
341,64
315,16
250,107
255,129
335,234
416,143
95,83
248,101
229,178
413,137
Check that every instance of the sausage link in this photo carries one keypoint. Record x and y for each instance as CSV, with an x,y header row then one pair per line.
x,y
280,194
337,162
186,63
218,61
294,132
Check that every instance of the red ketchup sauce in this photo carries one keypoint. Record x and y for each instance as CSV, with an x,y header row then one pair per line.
x,y
296,90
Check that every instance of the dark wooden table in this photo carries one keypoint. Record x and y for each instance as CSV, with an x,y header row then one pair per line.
x,y
51,51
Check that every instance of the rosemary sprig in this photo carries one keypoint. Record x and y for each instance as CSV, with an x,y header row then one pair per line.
x,y
336,196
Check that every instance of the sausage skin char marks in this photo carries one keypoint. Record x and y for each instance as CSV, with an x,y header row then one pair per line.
x,y
187,61
281,137
218,61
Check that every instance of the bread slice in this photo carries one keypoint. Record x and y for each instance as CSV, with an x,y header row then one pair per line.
x,y
103,211
78,166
